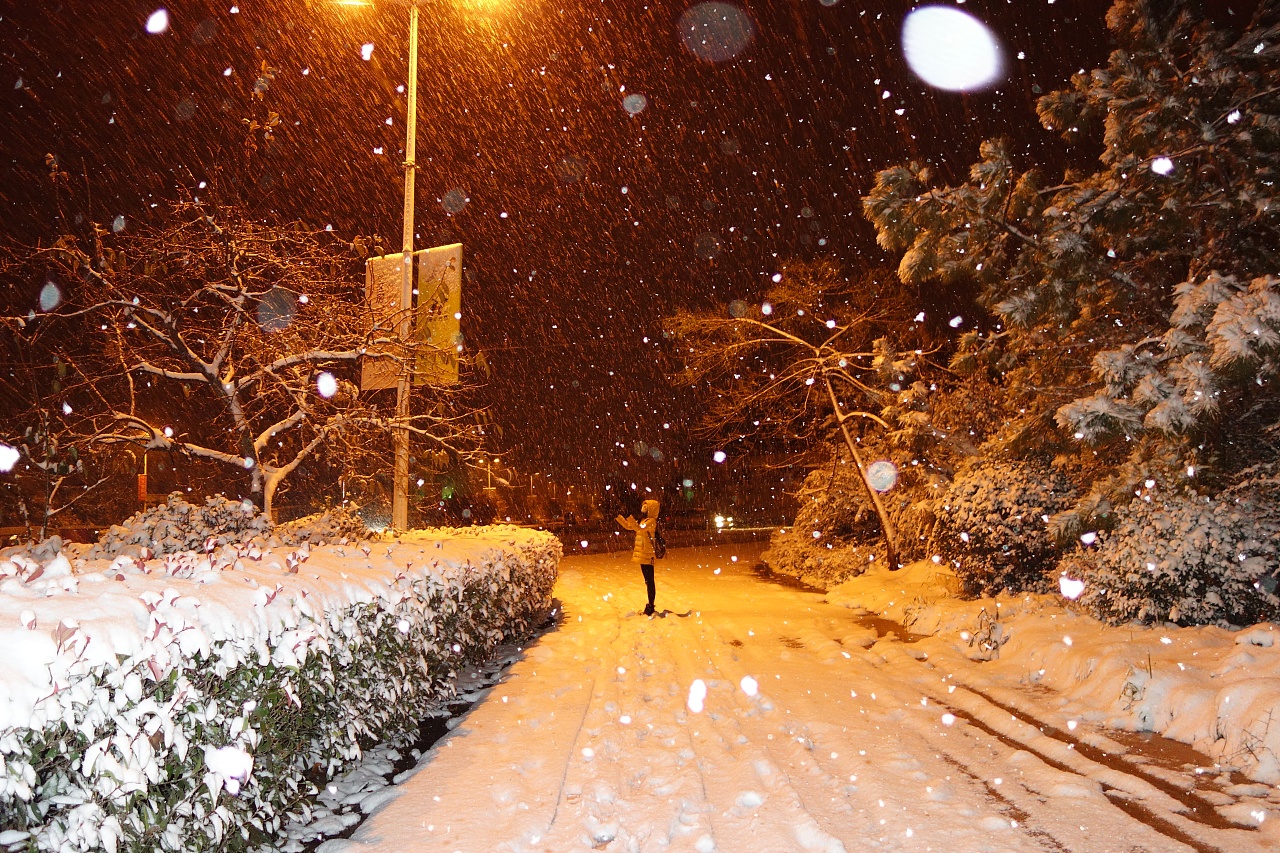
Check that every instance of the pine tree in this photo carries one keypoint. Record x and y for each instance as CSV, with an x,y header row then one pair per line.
x,y
1149,284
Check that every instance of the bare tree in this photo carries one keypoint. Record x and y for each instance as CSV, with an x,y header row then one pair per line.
x,y
237,342
810,358
49,472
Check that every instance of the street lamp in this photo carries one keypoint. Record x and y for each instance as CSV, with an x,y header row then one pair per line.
x,y
400,433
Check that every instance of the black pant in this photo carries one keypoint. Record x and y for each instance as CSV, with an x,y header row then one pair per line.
x,y
647,570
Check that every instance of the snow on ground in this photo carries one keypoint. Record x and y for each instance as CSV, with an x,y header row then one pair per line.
x,y
757,717
1213,689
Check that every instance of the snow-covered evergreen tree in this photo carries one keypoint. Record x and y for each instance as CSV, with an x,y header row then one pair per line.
x,y
1136,307
1183,558
992,524
1150,282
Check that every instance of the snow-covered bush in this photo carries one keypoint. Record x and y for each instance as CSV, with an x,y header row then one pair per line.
x,y
992,524
145,709
176,525
833,501
795,551
330,525
835,534
1184,558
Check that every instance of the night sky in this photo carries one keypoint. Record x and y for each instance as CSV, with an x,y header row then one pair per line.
x,y
587,213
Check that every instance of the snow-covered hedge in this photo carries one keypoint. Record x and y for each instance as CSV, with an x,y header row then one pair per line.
x,y
195,701
992,524
1183,558
176,525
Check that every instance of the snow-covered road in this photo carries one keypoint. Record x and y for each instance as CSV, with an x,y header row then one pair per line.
x,y
814,734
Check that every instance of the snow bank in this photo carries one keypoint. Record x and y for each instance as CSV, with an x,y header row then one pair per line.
x,y
159,701
1211,688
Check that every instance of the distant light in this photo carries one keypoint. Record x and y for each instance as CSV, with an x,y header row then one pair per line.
x,y
719,456
8,457
949,49
366,51
158,22
1162,165
326,385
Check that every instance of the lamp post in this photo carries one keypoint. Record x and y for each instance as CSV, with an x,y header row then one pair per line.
x,y
400,431
400,435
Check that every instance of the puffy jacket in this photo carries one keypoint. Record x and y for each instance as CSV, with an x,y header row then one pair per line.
x,y
642,552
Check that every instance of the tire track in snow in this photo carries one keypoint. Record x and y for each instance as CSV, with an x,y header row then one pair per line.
x,y
1045,828
892,765
1182,817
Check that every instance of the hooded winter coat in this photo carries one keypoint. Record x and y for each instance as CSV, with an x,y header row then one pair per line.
x,y
642,551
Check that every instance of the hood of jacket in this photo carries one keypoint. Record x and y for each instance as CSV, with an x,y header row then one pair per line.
x,y
650,508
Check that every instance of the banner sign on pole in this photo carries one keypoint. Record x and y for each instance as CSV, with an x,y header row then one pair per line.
x,y
383,280
437,319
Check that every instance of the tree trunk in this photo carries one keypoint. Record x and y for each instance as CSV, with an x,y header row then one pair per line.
x,y
269,496
886,524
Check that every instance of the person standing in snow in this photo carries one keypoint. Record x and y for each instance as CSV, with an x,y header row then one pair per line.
x,y
642,551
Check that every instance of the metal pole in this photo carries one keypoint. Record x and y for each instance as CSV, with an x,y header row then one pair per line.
x,y
400,495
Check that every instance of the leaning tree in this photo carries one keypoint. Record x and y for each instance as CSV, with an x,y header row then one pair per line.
x,y
814,356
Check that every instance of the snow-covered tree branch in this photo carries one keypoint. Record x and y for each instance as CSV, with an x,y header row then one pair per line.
x,y
238,343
